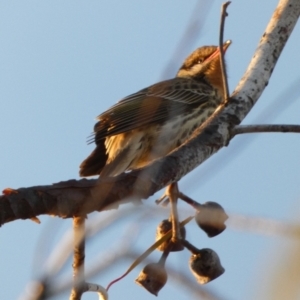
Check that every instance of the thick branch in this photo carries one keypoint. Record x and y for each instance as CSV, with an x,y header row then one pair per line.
x,y
72,198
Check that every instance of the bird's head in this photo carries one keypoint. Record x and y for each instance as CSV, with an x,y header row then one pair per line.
x,y
204,63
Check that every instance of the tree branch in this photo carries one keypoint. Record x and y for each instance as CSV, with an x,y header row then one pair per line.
x,y
75,198
79,285
265,128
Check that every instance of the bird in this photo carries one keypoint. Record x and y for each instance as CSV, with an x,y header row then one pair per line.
x,y
154,121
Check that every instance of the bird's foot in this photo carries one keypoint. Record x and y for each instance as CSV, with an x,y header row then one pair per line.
x,y
171,195
164,199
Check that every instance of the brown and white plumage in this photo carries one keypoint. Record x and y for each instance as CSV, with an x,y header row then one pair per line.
x,y
154,121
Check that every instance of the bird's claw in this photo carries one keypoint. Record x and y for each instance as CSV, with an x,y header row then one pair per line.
x,y
163,200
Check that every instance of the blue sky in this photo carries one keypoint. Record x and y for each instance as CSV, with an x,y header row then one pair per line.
x,y
64,62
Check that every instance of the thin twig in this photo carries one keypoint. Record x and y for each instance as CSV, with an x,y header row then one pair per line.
x,y
264,226
100,290
79,285
189,201
190,246
265,128
223,67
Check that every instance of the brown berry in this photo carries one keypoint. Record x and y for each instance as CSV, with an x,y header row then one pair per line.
x,y
211,218
206,265
153,278
164,227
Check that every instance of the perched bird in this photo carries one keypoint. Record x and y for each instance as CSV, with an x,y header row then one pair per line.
x,y
154,121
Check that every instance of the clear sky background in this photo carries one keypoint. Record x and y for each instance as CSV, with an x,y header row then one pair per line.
x,y
64,62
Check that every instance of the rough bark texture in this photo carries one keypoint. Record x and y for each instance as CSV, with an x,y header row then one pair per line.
x,y
73,198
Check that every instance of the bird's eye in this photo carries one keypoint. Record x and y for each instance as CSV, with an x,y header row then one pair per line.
x,y
200,61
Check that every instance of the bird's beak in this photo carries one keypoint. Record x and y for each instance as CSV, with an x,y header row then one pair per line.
x,y
226,45
217,52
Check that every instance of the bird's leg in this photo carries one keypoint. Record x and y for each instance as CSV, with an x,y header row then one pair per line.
x,y
173,192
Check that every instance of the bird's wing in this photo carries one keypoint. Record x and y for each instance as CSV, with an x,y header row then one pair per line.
x,y
153,105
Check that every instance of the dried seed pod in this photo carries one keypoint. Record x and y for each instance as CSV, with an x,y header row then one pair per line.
x,y
162,229
153,277
205,265
211,218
